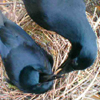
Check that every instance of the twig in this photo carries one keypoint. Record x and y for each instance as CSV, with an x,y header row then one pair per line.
x,y
8,3
82,95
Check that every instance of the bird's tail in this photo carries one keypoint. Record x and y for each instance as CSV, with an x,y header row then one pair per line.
x,y
2,19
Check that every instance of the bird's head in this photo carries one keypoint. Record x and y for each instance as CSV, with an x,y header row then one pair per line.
x,y
80,58
35,81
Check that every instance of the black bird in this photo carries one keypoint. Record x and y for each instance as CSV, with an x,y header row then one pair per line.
x,y
67,18
28,66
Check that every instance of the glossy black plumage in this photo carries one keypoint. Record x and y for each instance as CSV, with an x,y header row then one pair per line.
x,y
28,66
67,18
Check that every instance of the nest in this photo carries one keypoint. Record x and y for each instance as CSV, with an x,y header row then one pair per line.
x,y
77,85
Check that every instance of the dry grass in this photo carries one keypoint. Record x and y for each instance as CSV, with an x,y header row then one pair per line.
x,y
78,85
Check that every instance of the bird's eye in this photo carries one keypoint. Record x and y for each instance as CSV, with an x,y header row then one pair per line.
x,y
74,62
39,84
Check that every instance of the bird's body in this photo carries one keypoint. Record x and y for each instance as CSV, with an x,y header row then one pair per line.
x,y
67,18
59,16
26,63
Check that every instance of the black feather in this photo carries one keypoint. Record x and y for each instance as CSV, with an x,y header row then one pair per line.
x,y
68,19
23,59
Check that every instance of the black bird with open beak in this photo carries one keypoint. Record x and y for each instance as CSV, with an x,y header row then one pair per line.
x,y
68,19
28,66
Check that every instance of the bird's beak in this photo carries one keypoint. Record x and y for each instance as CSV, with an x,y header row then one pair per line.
x,y
51,77
66,67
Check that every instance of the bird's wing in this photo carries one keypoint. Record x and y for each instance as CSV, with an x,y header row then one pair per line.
x,y
18,30
8,40
8,37
16,34
14,29
11,35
